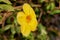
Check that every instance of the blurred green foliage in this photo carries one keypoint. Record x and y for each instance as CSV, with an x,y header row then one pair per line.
x,y
5,1
55,12
6,7
0,17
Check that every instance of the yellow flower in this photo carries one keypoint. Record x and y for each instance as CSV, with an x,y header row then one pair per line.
x,y
27,19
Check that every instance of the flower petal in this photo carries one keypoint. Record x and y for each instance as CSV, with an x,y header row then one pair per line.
x,y
33,24
21,18
28,10
25,30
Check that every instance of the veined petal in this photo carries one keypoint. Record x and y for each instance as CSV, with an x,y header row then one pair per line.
x,y
21,18
33,24
25,30
28,10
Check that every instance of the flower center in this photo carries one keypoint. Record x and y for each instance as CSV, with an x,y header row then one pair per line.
x,y
28,18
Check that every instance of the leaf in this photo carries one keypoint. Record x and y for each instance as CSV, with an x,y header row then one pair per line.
x,y
37,10
13,29
1,31
42,29
43,33
41,1
17,27
11,37
42,37
7,27
50,6
13,0
55,12
5,1
57,0
0,17
30,37
6,7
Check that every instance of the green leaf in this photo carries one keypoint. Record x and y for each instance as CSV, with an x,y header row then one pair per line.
x,y
42,37
57,0
55,12
42,29
7,27
41,1
50,6
43,33
37,11
6,7
11,37
17,27
1,31
0,17
5,1
13,0
30,37
13,29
